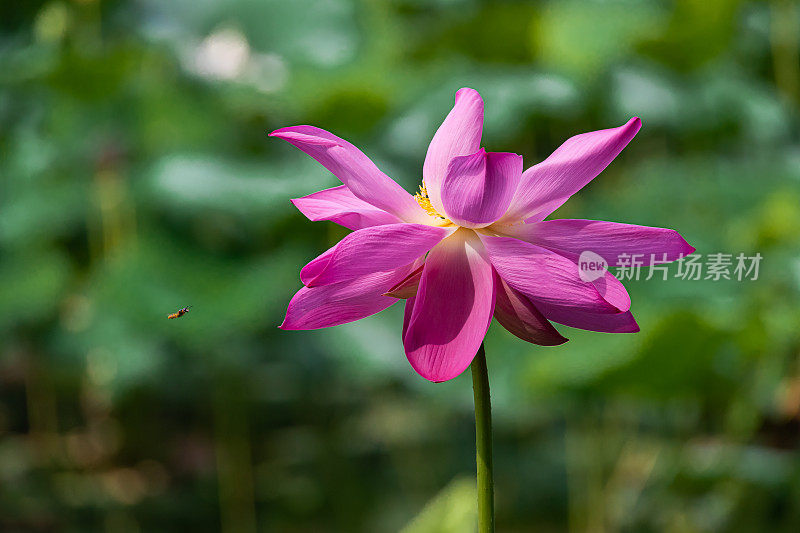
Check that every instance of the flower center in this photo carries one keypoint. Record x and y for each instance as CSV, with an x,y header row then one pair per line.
x,y
425,203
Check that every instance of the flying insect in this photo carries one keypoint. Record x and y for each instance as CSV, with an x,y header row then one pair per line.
x,y
179,313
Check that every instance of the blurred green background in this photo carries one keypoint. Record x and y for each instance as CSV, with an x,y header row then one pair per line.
x,y
136,177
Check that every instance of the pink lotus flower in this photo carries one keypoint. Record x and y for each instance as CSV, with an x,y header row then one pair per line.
x,y
472,244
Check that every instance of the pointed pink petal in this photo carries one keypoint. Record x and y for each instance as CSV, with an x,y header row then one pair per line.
x,y
355,169
331,305
478,188
407,287
341,206
576,318
515,312
609,287
543,275
374,249
607,239
544,187
453,308
612,290
459,134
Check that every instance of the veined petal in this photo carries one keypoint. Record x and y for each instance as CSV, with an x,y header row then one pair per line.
x,y
610,240
544,187
407,287
355,170
576,318
338,303
452,309
341,206
459,134
609,287
374,249
478,188
612,290
515,312
543,275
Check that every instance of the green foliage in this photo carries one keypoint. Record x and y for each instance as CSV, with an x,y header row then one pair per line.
x,y
136,178
451,511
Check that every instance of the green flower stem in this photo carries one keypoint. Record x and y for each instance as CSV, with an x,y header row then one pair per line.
x,y
483,442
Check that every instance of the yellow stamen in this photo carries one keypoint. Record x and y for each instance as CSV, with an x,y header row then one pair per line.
x,y
425,203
